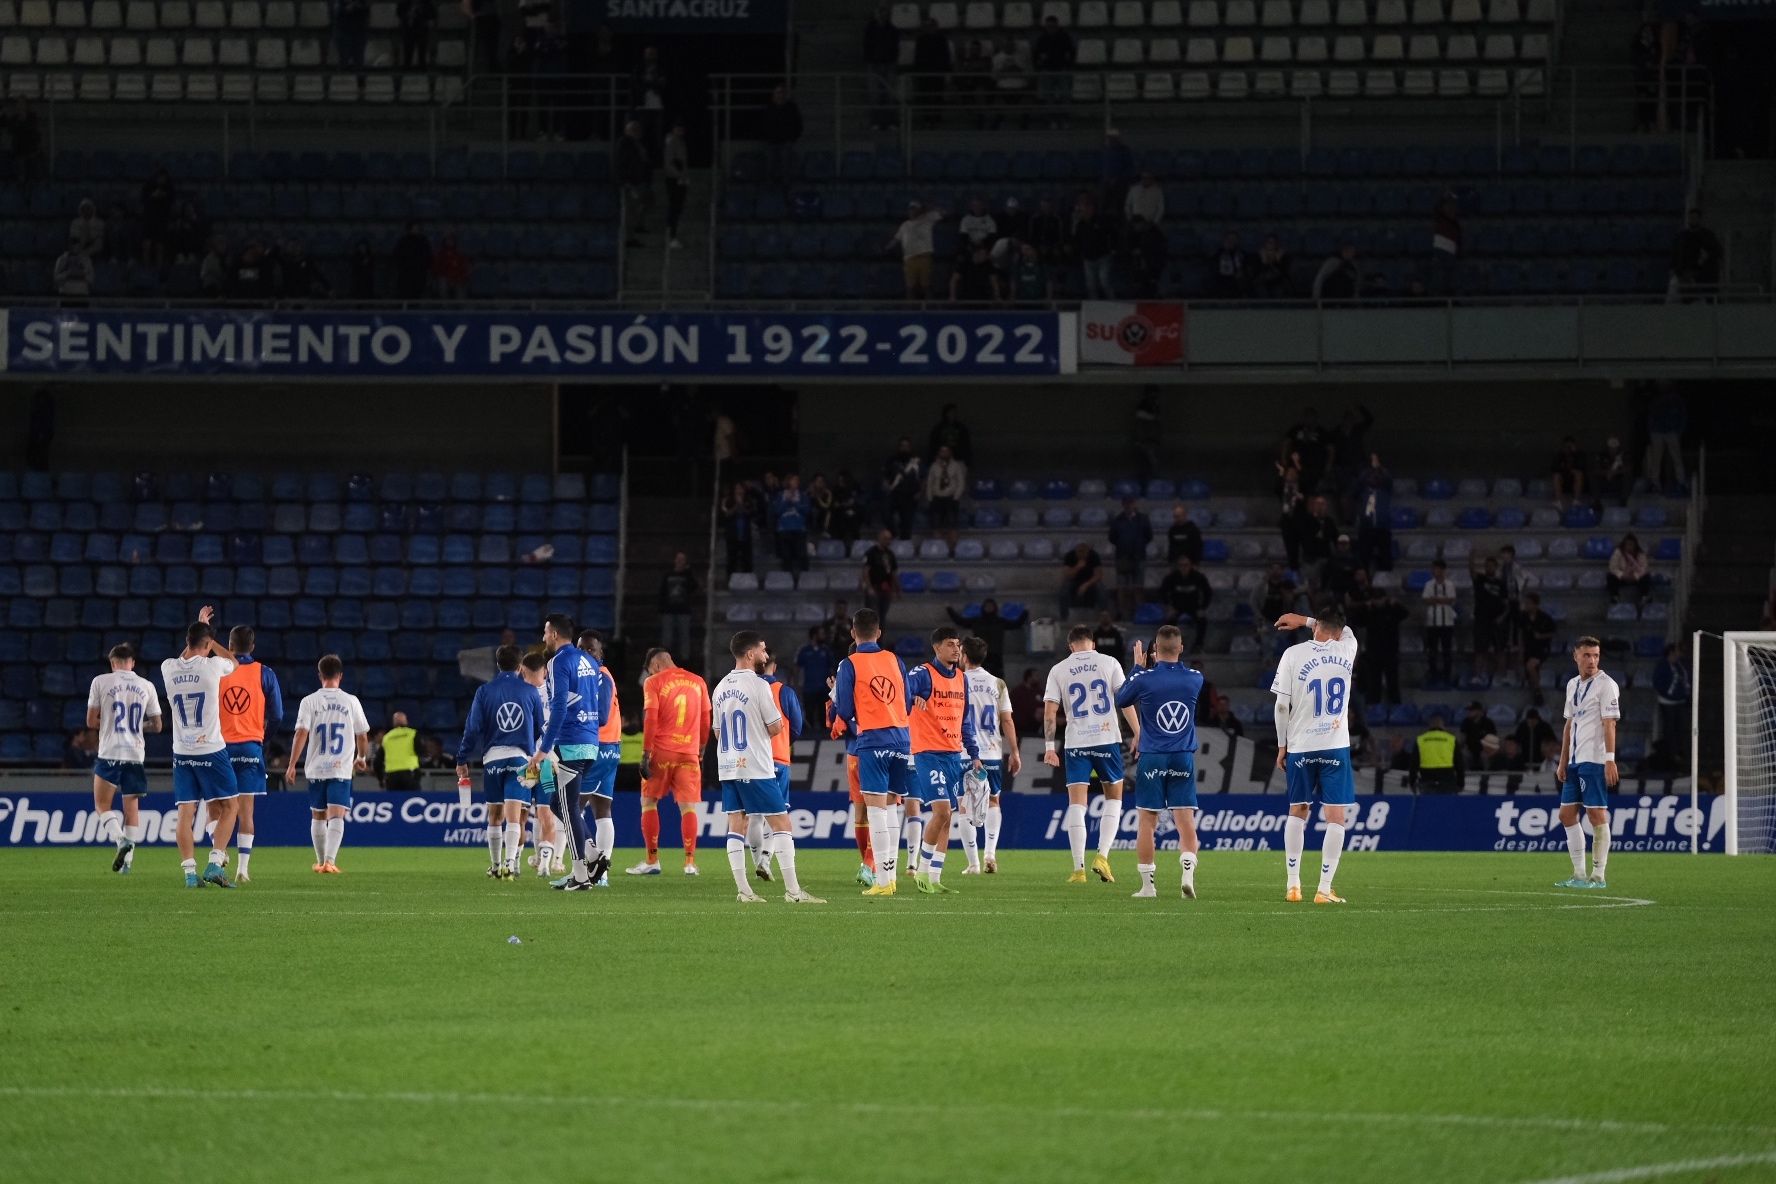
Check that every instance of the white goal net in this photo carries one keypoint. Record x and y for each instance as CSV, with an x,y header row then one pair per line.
x,y
1749,661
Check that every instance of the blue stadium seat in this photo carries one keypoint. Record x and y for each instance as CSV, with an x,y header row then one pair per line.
x,y
277,550
1668,550
320,581
1474,518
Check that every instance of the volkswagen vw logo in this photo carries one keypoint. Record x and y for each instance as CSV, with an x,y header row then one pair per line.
x,y
509,717
1173,716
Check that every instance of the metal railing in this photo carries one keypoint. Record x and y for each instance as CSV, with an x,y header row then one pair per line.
x,y
1692,543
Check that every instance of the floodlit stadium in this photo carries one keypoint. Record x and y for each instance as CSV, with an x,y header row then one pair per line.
x,y
1085,589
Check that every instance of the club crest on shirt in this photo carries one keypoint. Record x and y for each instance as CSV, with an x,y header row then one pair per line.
x,y
882,687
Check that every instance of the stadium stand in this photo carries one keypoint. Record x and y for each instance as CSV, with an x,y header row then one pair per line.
x,y
396,574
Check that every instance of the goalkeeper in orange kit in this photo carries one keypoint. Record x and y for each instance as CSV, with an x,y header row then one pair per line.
x,y
674,732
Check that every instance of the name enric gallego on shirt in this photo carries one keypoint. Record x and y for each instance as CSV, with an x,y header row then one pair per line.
x,y
1320,660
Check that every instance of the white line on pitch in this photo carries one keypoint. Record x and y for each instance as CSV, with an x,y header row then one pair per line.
x,y
1653,1171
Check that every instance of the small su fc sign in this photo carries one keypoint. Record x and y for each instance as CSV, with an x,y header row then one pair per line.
x,y
1117,334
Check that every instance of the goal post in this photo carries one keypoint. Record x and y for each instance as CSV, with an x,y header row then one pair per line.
x,y
1748,700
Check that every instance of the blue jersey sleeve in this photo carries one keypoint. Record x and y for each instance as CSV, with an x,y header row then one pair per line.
x,y
844,687
471,729
1129,693
970,737
906,684
274,694
918,684
793,717
560,675
533,701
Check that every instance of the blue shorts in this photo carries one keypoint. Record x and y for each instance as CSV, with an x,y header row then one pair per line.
x,y
128,777
499,783
322,794
994,772
1080,763
764,796
1584,783
207,778
248,759
602,780
938,776
1326,772
1165,781
882,770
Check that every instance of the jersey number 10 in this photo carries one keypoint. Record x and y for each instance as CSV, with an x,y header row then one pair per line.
x,y
733,731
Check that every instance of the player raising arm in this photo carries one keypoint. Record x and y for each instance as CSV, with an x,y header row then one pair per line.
x,y
332,728
1312,688
1587,770
201,770
122,706
1083,685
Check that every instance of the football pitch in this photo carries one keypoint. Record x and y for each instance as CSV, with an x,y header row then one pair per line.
x,y
1460,1020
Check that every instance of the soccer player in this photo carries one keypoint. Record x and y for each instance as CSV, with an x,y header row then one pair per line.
x,y
942,730
995,733
201,770
1587,770
674,731
250,696
333,730
571,734
838,729
122,706
789,706
1164,698
747,721
1084,685
504,722
870,698
601,786
541,787
1312,688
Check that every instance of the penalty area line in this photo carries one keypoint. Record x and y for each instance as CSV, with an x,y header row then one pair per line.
x,y
1654,1171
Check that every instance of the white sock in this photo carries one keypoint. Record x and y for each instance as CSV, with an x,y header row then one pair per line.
x,y
513,844
1075,827
971,844
1108,824
1575,847
496,833
782,844
881,824
1187,862
1146,870
1294,839
913,831
1330,850
1600,837
317,834
755,839
135,836
737,860
111,827
606,831
190,865
243,846
335,838
994,819
218,857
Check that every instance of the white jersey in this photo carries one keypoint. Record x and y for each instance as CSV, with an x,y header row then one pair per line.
x,y
124,699
1314,681
194,691
744,710
987,699
333,720
1588,703
1085,685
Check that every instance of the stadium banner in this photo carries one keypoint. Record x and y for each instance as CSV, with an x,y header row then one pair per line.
x,y
1737,10
1640,822
688,17
545,346
1123,334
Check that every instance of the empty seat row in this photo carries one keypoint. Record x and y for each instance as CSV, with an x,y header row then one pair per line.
x,y
1208,14
203,14
1379,83
75,487
206,87
1383,47
261,53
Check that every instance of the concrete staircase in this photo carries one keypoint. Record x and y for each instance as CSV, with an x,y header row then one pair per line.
x,y
654,272
663,519
1739,204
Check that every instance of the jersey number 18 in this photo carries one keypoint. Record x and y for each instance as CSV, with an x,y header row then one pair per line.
x,y
1328,700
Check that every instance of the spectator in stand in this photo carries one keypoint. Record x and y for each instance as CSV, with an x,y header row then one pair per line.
x,y
1374,497
26,135
73,273
977,227
413,264
1186,594
1231,268
1446,244
417,19
484,24
1271,278
1347,447
301,280
790,511
990,625
1011,78
1146,434
254,277
820,504
1628,568
123,239
815,662
1342,570
1378,662
1615,476
1145,200
1671,682
945,483
1316,534
351,32
902,482
914,238
1271,599
974,281
881,571
1130,532
1184,538
931,67
1082,578
1695,255
1536,629
1492,611
738,529
1666,419
649,86
158,196
1047,232
1476,726
87,230
881,56
1026,698
363,271
212,273
1309,444
1092,241
974,78
1439,622
1517,580
780,127
845,521
1294,518
1532,732
950,432
1108,639
1221,716
635,173
1054,62
676,168
1339,277
1118,171
82,750
677,589
1144,249
1569,472
1028,283
450,267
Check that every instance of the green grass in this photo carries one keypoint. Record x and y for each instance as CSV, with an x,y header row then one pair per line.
x,y
1458,1021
